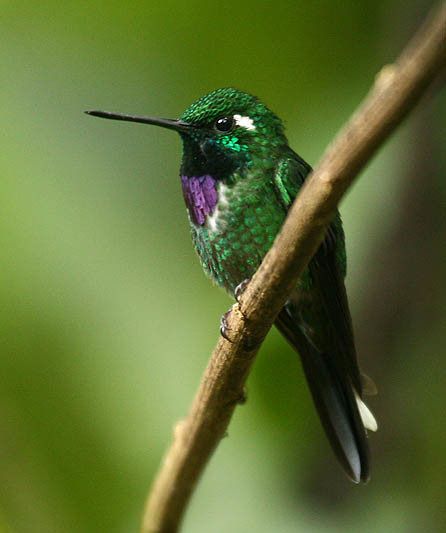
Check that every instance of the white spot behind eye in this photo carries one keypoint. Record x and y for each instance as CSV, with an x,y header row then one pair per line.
x,y
244,122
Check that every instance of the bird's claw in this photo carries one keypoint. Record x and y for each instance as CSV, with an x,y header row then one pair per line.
x,y
224,327
249,343
240,289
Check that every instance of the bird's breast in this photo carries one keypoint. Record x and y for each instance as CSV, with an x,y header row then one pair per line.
x,y
232,227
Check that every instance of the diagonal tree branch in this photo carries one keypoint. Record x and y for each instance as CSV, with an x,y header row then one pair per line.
x,y
397,89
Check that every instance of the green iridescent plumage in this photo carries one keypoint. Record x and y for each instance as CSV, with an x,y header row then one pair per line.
x,y
239,178
257,177
245,225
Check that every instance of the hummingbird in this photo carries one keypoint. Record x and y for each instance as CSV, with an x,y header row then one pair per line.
x,y
239,178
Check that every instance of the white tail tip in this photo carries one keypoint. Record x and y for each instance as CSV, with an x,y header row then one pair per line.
x,y
367,417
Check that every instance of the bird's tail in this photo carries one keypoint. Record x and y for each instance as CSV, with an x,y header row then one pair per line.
x,y
343,414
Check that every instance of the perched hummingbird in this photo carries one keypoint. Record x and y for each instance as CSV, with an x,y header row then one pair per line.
x,y
239,178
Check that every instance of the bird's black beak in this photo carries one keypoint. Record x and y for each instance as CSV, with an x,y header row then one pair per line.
x,y
177,125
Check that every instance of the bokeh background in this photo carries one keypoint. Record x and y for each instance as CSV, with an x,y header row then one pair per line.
x,y
106,320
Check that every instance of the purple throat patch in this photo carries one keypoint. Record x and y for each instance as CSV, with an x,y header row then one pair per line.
x,y
200,195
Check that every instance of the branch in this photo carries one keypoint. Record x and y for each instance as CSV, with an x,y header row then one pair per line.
x,y
397,89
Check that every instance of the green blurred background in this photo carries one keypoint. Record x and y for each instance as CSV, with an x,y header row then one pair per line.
x,y
106,320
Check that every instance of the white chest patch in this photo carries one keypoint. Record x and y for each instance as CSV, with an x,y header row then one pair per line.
x,y
244,122
212,222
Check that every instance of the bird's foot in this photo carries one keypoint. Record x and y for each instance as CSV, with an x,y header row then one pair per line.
x,y
225,330
224,327
240,289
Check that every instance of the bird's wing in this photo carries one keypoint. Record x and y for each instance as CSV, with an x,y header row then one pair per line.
x,y
327,268
317,322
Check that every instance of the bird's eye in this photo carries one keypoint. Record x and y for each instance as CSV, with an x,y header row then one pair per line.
x,y
224,124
